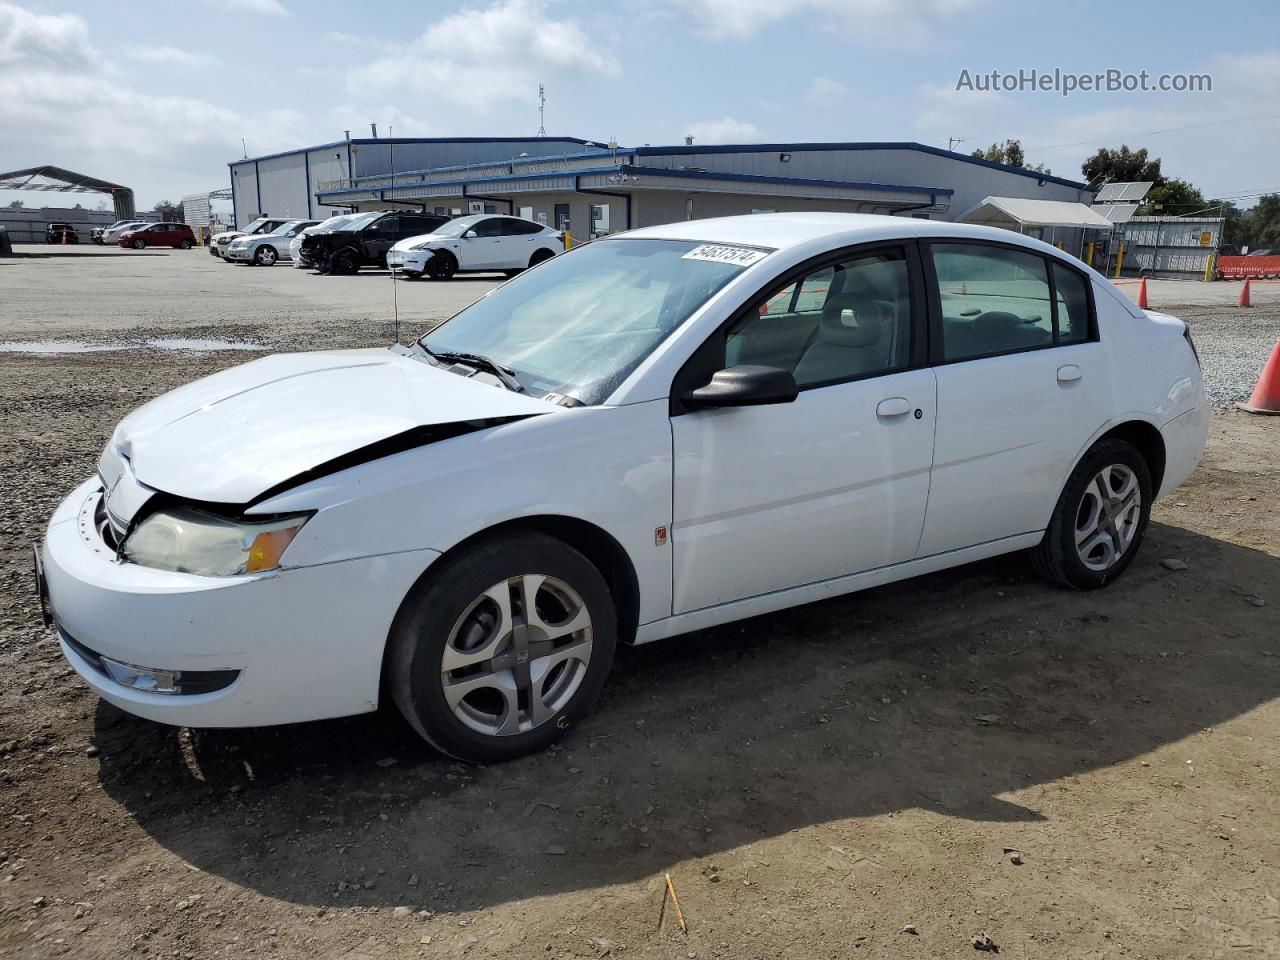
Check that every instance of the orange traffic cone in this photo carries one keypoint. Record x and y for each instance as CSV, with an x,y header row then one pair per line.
x,y
1266,395
1244,295
1142,294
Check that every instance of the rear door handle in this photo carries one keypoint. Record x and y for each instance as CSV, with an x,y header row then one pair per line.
x,y
1069,373
893,407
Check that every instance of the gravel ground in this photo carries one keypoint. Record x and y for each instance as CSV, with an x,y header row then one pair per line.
x,y
971,755
1234,347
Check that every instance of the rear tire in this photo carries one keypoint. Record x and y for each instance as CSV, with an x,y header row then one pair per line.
x,y
539,256
1100,518
184,245
470,613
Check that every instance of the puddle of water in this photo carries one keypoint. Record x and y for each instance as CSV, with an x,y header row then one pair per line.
x,y
81,346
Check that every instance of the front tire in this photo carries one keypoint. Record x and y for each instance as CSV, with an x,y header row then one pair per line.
x,y
442,266
1100,519
503,649
139,244
266,256
344,263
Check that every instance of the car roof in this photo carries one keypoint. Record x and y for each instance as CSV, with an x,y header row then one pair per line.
x,y
779,231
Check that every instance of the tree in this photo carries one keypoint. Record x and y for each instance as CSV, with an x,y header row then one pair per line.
x,y
17,205
1121,166
1264,221
1011,154
1172,198
170,211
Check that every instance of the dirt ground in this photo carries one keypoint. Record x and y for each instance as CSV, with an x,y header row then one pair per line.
x,y
969,754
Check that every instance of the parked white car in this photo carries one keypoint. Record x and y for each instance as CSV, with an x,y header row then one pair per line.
x,y
98,234
220,242
657,432
295,245
111,236
482,243
265,249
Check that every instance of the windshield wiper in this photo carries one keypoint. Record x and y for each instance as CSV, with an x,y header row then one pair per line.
x,y
481,362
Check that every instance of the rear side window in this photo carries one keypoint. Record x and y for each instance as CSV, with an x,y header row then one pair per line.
x,y
1072,302
994,300
520,228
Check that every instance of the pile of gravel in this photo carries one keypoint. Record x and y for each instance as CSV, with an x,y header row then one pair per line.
x,y
1233,348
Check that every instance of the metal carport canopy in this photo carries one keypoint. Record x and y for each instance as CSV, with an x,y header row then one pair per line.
x,y
1002,211
61,180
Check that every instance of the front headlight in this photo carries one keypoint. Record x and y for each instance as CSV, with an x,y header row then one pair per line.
x,y
422,246
190,541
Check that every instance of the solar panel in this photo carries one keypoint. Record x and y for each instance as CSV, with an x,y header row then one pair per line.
x,y
1115,212
1124,192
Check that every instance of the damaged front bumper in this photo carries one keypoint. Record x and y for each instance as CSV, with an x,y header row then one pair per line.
x,y
285,646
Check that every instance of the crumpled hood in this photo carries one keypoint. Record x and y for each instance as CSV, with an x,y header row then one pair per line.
x,y
231,436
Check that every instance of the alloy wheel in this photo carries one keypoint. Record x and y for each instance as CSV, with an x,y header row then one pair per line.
x,y
1108,517
516,655
266,256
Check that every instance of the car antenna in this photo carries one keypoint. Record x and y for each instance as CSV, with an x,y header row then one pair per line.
x,y
395,300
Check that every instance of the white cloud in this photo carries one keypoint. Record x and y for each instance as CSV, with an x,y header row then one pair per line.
x,y
824,89
479,58
37,41
176,55
724,130
878,20
76,111
272,8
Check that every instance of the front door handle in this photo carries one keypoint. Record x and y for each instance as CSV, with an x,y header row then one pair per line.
x,y
893,407
1069,373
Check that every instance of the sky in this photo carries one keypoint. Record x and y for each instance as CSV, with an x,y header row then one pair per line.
x,y
158,96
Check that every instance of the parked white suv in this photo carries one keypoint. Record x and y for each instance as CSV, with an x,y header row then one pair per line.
x,y
111,236
219,243
657,432
265,249
482,243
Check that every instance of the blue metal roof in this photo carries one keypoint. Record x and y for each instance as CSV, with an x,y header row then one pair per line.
x,y
685,149
363,141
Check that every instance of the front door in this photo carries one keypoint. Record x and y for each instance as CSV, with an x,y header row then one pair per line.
x,y
562,216
779,496
1022,386
379,238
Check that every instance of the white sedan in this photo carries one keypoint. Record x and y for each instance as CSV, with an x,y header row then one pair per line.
x,y
267,249
483,243
655,433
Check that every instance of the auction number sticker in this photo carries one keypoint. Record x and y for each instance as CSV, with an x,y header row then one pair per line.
x,y
725,253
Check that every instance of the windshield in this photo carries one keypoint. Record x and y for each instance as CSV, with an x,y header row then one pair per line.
x,y
333,223
582,321
361,220
286,227
456,228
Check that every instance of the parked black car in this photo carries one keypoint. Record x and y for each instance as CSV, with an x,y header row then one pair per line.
x,y
364,241
61,233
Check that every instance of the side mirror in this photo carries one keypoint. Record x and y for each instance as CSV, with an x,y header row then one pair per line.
x,y
746,385
470,235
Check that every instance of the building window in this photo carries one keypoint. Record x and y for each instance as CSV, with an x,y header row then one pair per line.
x,y
526,213
599,220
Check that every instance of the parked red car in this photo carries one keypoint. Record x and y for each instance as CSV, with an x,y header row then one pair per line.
x,y
159,235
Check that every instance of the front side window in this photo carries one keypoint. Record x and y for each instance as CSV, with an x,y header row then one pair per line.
x,y
994,300
581,322
841,322
492,227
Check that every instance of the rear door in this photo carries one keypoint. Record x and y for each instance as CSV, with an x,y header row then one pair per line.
x,y
1023,383
778,496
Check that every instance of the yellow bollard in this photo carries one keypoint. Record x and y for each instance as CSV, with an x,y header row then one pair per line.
x,y
1208,267
568,239
1088,256
1119,257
